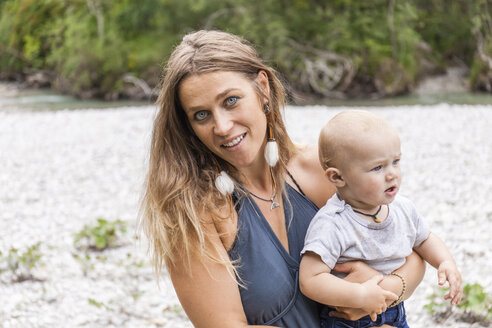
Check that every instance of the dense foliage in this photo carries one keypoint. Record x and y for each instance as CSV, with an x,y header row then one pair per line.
x,y
339,48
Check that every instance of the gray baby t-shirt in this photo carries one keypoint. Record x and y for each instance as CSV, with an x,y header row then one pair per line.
x,y
337,234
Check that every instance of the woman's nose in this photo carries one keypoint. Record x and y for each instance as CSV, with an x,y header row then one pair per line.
x,y
223,123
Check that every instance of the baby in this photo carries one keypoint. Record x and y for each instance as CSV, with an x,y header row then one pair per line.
x,y
366,220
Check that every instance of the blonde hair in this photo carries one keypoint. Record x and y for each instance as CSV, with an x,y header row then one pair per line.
x,y
179,187
342,132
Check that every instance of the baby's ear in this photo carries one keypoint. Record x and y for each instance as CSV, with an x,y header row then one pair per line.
x,y
335,177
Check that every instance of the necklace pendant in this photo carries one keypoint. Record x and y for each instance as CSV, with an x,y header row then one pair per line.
x,y
274,205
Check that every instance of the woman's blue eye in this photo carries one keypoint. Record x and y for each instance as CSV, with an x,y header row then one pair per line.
x,y
396,161
231,100
201,115
377,168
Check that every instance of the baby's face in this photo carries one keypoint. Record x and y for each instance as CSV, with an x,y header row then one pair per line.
x,y
371,170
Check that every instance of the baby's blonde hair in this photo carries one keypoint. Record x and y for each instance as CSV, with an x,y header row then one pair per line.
x,y
345,129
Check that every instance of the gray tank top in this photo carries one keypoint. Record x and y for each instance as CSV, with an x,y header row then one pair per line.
x,y
271,274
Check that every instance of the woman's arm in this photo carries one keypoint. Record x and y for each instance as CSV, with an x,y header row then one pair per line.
x,y
207,292
412,271
318,284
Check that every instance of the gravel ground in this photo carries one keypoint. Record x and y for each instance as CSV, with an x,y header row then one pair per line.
x,y
62,170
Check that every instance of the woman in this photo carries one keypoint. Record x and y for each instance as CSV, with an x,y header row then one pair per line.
x,y
233,254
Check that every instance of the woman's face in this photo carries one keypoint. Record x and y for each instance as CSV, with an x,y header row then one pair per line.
x,y
227,115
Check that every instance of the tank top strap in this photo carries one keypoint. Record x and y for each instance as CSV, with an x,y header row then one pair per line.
x,y
295,182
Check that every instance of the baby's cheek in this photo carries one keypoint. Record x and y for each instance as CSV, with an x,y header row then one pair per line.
x,y
374,186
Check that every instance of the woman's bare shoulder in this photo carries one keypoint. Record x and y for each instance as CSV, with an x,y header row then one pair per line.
x,y
307,156
305,163
307,170
222,223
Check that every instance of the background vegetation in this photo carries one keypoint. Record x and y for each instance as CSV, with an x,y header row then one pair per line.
x,y
342,48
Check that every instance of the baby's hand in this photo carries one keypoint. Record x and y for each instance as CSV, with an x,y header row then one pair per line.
x,y
375,297
448,271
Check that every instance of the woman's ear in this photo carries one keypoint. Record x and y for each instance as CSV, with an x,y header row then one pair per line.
x,y
263,84
335,177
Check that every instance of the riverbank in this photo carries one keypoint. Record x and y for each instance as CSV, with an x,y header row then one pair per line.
x,y
64,169
14,98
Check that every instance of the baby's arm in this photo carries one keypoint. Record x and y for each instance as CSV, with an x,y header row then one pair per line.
x,y
436,254
317,283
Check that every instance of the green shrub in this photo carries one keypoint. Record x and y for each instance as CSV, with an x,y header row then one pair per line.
x,y
100,236
21,264
475,306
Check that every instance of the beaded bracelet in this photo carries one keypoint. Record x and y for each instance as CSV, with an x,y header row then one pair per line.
x,y
404,287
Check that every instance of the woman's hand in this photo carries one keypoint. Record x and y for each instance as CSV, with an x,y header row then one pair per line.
x,y
351,314
348,313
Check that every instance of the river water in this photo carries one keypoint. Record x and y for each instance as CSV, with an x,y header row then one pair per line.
x,y
14,98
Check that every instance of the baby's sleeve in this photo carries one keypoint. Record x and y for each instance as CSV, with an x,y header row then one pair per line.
x,y
421,227
321,238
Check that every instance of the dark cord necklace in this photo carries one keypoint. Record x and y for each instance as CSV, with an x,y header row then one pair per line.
x,y
373,216
271,200
274,195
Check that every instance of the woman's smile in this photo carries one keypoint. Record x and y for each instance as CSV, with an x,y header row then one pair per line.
x,y
235,142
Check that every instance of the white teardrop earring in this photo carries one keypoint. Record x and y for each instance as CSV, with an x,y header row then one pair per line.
x,y
223,181
224,184
271,149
